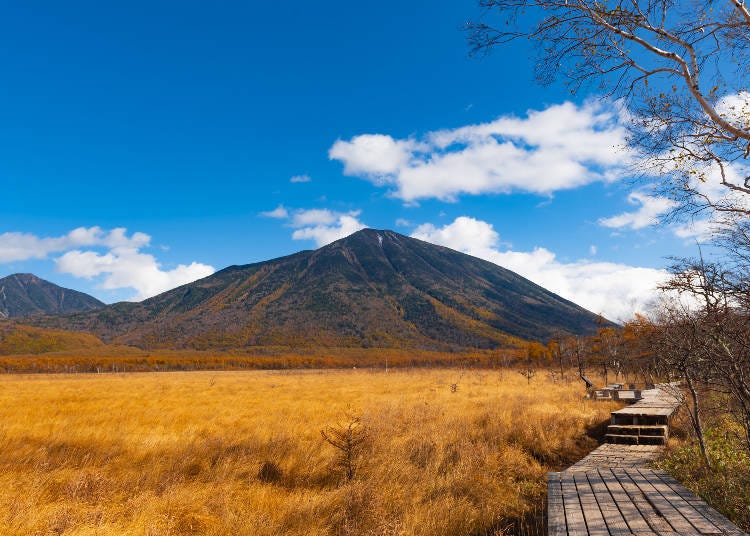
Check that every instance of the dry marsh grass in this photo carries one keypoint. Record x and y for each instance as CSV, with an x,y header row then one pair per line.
x,y
242,452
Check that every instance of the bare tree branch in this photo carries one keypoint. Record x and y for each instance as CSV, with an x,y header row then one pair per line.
x,y
676,63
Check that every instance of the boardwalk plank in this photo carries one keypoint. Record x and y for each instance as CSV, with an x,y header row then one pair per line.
x,y
613,517
590,506
629,511
673,516
715,517
574,517
556,525
654,519
696,518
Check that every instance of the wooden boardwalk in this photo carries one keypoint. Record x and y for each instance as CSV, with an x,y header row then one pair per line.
x,y
613,492
617,457
647,421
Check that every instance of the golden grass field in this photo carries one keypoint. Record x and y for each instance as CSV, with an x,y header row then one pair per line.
x,y
181,453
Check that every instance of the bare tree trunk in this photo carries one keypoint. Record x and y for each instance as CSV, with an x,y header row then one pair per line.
x,y
581,372
605,369
529,371
735,380
696,417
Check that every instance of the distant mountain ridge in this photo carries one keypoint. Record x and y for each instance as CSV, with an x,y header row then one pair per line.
x,y
371,289
26,294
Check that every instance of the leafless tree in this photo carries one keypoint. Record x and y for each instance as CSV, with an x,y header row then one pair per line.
x,y
637,351
534,353
578,349
610,347
679,342
558,352
680,66
721,321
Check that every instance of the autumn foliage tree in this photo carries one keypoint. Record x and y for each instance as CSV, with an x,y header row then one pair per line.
x,y
638,353
536,354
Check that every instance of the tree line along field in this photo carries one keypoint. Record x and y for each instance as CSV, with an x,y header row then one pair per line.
x,y
439,451
28,349
135,360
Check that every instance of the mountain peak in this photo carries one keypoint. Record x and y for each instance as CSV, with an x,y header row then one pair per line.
x,y
370,234
374,288
25,294
26,277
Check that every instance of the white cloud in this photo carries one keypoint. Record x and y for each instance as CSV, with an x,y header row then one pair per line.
x,y
706,182
314,216
374,155
325,226
320,224
301,178
718,194
701,230
736,108
279,213
24,246
463,234
561,147
614,290
126,267
123,264
651,207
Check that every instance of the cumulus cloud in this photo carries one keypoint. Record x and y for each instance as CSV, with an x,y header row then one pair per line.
x,y
736,108
301,178
376,156
700,230
122,262
706,183
561,147
344,225
321,224
651,207
315,216
279,213
615,290
24,246
127,267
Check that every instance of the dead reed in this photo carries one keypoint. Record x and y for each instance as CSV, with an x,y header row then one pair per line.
x,y
242,452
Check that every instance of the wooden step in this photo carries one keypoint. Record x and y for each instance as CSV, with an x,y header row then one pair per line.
x,y
622,439
658,430
639,429
652,440
647,417
628,439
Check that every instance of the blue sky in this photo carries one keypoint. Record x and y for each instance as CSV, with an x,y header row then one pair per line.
x,y
234,132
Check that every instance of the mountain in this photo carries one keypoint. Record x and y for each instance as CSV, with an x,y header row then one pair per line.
x,y
16,339
26,294
371,289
